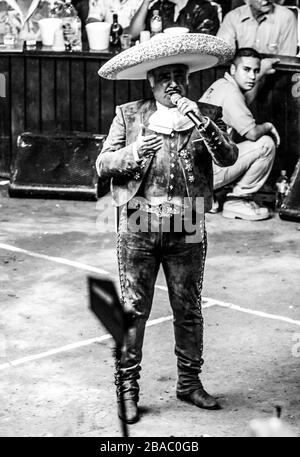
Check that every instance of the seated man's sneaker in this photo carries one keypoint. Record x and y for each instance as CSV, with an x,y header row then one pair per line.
x,y
201,399
131,411
242,208
215,208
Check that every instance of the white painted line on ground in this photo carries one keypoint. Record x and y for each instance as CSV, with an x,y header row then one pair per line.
x,y
61,260
254,312
207,302
71,263
42,355
70,347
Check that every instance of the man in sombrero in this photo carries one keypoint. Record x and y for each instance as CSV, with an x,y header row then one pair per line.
x,y
160,165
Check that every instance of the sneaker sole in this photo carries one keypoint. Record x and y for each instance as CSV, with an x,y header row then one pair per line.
x,y
233,215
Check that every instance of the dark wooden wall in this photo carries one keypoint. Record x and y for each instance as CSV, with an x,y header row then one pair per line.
x,y
48,92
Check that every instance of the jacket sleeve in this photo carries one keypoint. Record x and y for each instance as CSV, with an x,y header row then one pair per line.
x,y
222,149
116,157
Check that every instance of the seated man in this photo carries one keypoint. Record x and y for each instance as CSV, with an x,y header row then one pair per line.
x,y
20,17
103,10
259,141
267,27
198,15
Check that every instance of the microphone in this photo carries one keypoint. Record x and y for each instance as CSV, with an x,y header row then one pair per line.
x,y
175,97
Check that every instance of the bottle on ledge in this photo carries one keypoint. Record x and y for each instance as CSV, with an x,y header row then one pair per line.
x,y
282,188
116,31
71,25
156,23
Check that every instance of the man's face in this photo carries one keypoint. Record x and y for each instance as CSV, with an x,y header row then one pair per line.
x,y
261,6
245,72
166,78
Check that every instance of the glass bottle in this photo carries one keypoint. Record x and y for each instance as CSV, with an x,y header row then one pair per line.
x,y
116,31
282,188
156,23
71,25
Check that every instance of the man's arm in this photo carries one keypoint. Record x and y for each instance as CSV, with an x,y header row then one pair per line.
x,y
227,30
288,45
267,128
223,151
117,158
138,21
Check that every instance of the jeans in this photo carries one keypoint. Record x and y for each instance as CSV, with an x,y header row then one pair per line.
x,y
251,170
140,255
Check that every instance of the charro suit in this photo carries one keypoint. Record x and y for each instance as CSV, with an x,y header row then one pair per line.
x,y
182,168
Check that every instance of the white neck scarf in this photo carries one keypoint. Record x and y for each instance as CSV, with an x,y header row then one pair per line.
x,y
165,120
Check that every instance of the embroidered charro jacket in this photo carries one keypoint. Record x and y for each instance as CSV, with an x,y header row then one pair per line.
x,y
186,155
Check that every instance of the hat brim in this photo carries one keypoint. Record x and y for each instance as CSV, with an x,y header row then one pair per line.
x,y
196,50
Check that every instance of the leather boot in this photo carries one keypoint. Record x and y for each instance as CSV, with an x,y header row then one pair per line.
x,y
131,411
200,398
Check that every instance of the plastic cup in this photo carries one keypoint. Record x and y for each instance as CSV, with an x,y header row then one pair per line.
x,y
144,36
125,40
58,42
48,27
98,35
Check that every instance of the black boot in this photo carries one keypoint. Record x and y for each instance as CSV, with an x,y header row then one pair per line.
x,y
200,398
128,388
131,413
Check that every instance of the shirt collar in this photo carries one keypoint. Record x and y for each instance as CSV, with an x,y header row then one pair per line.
x,y
246,14
230,79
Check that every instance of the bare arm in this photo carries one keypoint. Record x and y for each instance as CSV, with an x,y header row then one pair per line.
x,y
138,21
267,128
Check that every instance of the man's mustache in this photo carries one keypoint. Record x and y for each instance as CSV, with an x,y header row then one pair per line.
x,y
173,90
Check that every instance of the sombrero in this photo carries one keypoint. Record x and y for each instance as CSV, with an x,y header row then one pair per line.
x,y
196,50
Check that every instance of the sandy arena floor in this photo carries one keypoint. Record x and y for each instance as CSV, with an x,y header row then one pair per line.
x,y
56,359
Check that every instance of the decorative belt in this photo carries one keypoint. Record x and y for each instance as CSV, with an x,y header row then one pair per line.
x,y
164,209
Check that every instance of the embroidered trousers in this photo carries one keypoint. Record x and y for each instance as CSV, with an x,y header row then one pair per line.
x,y
140,255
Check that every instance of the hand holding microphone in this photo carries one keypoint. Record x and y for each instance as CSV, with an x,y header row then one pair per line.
x,y
187,108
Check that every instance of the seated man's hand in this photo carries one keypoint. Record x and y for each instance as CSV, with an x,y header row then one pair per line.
x,y
148,144
266,66
274,133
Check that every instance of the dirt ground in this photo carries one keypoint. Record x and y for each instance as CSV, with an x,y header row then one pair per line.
x,y
56,362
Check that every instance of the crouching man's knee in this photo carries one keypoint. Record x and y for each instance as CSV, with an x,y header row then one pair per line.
x,y
267,147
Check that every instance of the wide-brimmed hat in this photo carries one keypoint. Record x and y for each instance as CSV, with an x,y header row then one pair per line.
x,y
196,50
